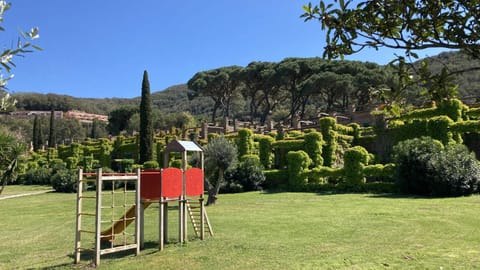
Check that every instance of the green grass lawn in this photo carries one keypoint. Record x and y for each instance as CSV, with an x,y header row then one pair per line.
x,y
265,231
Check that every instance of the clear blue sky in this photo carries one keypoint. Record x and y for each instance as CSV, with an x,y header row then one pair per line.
x,y
100,48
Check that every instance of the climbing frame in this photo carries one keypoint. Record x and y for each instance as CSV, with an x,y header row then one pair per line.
x,y
121,199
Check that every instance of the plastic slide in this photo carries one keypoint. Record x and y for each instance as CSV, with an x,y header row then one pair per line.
x,y
121,224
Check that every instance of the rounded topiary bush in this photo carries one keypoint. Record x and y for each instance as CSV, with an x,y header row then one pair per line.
x,y
65,181
247,176
455,172
411,158
37,176
425,167
355,159
298,162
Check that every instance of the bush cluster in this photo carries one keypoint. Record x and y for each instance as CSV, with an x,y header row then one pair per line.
x,y
425,167
246,176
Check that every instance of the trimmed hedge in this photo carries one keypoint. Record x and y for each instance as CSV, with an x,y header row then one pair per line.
x,y
275,179
298,162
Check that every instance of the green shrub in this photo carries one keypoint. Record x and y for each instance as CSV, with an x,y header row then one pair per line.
x,y
37,176
87,163
379,170
65,181
313,144
439,129
245,142
425,167
295,134
176,163
127,165
275,179
327,128
72,162
152,164
355,159
455,172
266,151
212,136
323,175
355,132
411,158
247,176
298,162
282,147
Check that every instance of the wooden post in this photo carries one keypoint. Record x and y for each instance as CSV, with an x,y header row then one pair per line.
x,y
138,213
78,225
180,220
184,197
202,206
165,222
98,216
142,225
202,218
161,224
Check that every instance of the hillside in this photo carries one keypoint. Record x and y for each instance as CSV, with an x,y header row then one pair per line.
x,y
175,98
469,82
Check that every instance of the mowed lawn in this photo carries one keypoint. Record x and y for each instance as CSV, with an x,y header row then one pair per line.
x,y
265,231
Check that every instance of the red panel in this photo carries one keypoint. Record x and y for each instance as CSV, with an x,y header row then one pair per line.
x,y
194,179
150,185
171,182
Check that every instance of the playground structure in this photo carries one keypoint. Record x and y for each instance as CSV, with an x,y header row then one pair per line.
x,y
131,193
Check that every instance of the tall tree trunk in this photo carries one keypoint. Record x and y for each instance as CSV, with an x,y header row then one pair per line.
x,y
214,190
214,112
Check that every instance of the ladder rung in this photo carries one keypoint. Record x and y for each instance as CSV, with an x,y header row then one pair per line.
x,y
86,214
82,248
86,231
88,197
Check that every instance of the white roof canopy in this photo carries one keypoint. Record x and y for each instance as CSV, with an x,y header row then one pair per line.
x,y
183,146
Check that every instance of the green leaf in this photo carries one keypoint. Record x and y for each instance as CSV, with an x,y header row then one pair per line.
x,y
308,8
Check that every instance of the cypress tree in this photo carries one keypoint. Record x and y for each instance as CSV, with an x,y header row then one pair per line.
x,y
93,131
51,135
37,138
146,127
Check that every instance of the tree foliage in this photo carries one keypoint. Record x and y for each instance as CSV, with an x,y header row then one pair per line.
x,y
218,84
407,26
220,154
425,167
118,119
37,138
24,45
51,133
11,149
146,127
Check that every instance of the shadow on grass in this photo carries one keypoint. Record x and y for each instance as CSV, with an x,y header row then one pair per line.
x,y
369,195
406,196
87,257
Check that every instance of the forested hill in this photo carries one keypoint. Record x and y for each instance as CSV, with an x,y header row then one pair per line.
x,y
170,100
469,82
175,98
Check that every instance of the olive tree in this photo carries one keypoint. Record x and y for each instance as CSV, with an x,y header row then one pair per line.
x,y
220,155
